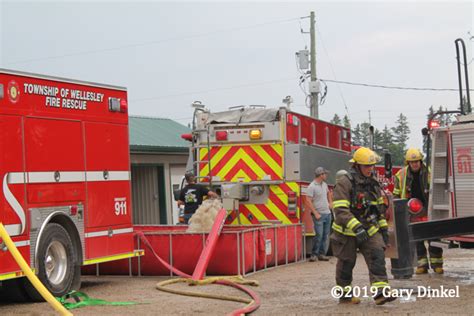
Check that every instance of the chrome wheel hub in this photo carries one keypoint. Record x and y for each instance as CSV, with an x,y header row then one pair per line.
x,y
56,262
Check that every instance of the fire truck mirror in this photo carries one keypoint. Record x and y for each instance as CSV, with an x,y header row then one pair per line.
x,y
388,165
424,131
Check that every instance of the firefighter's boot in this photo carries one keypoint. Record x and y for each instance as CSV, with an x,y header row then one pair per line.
x,y
438,270
421,270
349,300
383,297
436,259
347,297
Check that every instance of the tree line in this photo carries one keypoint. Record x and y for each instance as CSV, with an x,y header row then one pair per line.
x,y
392,139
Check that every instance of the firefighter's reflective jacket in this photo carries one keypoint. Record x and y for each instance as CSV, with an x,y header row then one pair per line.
x,y
358,201
403,186
404,179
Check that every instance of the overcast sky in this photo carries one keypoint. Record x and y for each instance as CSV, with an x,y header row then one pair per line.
x,y
240,53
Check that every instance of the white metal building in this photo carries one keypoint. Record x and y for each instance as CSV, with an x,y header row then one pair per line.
x,y
158,162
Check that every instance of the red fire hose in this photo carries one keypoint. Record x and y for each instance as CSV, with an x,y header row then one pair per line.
x,y
252,304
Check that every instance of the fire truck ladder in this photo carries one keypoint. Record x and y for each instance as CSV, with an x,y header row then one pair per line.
x,y
441,179
196,149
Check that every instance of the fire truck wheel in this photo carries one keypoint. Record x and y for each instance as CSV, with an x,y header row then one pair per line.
x,y
56,263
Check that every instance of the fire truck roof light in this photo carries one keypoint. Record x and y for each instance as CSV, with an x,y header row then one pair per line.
x,y
433,124
292,120
118,105
221,135
188,137
123,106
255,134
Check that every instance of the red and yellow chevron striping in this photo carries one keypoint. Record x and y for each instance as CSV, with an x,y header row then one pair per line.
x,y
242,162
276,207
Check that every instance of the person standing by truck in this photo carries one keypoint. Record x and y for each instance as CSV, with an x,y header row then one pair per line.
x,y
360,223
318,201
192,195
412,181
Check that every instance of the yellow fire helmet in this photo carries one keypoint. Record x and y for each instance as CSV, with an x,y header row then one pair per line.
x,y
365,156
413,154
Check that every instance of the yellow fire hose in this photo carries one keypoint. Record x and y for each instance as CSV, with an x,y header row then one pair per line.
x,y
30,275
236,279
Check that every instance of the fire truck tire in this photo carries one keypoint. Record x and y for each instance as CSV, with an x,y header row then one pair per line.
x,y
56,263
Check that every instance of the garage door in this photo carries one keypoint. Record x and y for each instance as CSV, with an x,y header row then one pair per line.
x,y
149,206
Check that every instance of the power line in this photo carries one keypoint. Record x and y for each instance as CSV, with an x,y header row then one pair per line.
x,y
302,34
289,79
214,90
333,73
153,42
385,111
391,87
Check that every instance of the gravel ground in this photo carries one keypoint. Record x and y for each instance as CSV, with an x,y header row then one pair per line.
x,y
298,289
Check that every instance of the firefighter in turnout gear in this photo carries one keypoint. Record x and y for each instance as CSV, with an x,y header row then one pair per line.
x,y
360,223
412,181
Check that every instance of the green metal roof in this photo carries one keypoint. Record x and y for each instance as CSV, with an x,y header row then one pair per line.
x,y
152,134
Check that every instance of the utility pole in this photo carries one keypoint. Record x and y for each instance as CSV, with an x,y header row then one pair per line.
x,y
371,133
313,85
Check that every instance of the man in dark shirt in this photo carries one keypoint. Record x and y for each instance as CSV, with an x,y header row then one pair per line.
x,y
416,185
192,195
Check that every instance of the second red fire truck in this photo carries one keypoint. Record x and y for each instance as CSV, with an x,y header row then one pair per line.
x,y
261,160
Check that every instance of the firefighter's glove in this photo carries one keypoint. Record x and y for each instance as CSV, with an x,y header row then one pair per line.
x,y
361,235
385,236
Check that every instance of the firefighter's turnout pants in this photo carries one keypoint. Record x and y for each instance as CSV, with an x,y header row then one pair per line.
x,y
435,259
345,250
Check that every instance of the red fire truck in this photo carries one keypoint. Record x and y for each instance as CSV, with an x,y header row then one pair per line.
x,y
65,172
452,179
261,160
